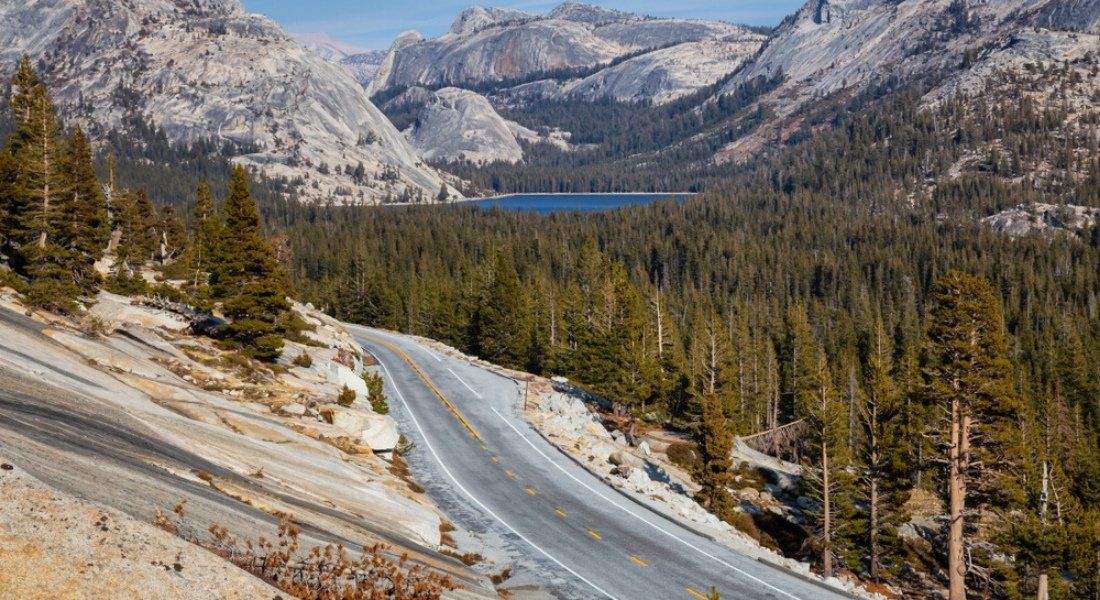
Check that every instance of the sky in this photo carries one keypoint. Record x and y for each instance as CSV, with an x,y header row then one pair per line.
x,y
375,23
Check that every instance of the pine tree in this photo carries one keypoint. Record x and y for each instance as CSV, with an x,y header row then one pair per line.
x,y
825,472
88,227
715,444
171,236
134,223
40,209
206,232
884,452
503,332
971,382
248,276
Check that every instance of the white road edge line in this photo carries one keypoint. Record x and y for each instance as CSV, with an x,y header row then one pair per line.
x,y
464,383
636,516
393,384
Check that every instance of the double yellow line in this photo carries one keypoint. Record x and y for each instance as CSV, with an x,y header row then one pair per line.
x,y
431,386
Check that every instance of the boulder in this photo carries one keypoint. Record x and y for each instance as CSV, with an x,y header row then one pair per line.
x,y
620,458
339,375
367,428
618,437
637,479
644,447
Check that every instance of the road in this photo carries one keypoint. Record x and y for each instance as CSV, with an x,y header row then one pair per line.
x,y
496,471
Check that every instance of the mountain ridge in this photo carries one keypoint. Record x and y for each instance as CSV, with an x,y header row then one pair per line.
x,y
291,111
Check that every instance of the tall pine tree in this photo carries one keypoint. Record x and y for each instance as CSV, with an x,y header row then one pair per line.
x,y
247,276
970,381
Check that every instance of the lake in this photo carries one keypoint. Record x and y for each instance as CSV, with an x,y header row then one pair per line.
x,y
550,203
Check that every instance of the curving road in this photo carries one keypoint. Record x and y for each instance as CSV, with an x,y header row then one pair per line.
x,y
493,472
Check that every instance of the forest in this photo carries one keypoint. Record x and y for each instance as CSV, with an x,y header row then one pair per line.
x,y
64,236
844,284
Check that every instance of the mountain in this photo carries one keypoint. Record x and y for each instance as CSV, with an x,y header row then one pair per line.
x,y
841,47
668,73
362,63
328,47
490,46
207,69
457,125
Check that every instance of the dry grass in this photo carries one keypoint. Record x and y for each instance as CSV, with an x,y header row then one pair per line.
x,y
327,573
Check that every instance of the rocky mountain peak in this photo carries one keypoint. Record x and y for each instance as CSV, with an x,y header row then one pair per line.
x,y
477,18
208,70
588,13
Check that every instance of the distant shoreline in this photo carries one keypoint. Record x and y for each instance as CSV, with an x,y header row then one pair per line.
x,y
511,194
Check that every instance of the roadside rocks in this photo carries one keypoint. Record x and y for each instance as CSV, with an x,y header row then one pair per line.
x,y
621,458
379,432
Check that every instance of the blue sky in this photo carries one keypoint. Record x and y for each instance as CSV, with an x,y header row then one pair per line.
x,y
375,23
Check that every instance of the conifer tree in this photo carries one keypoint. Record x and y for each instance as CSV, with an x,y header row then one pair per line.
x,y
39,208
825,472
134,224
884,453
171,236
88,225
715,444
248,276
206,231
970,381
502,323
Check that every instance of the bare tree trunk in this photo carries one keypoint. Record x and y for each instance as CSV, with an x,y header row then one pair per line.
x,y
42,235
826,497
660,323
873,476
956,563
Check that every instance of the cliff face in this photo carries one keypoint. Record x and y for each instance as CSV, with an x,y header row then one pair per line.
x,y
457,124
493,45
842,46
207,69
669,73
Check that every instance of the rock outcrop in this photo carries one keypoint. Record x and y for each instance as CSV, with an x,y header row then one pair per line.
x,y
843,46
669,73
1047,219
455,125
493,45
207,69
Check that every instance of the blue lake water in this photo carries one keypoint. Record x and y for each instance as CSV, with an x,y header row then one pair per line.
x,y
550,203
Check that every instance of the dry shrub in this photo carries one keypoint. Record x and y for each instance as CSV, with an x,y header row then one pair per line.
x,y
328,573
469,559
504,575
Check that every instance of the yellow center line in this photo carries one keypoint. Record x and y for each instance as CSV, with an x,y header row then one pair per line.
x,y
484,447
639,561
531,491
595,535
496,460
696,593
561,513
510,474
450,406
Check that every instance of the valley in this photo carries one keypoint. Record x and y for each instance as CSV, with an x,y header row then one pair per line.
x,y
575,302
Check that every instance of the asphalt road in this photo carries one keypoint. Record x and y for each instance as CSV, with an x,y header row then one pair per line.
x,y
500,473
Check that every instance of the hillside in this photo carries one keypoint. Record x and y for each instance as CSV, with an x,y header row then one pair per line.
x,y
503,48
730,95
211,71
